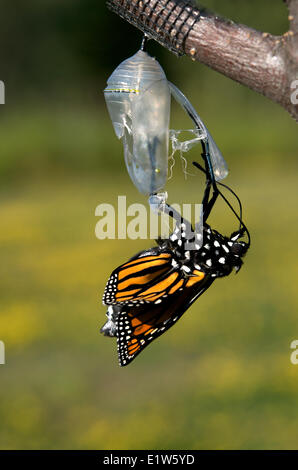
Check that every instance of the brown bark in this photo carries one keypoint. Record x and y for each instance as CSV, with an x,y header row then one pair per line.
x,y
265,63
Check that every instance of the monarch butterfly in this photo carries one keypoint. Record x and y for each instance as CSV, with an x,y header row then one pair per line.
x,y
149,293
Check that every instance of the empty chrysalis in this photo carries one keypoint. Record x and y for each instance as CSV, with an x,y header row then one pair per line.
x,y
138,99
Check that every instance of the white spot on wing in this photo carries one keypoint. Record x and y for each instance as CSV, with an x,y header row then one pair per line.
x,y
186,269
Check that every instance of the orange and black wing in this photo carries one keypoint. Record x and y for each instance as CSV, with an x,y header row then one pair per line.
x,y
136,327
146,278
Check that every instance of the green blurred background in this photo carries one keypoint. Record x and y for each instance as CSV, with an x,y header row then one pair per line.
x,y
222,378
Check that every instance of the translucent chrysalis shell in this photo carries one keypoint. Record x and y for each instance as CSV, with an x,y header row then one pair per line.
x,y
138,99
220,168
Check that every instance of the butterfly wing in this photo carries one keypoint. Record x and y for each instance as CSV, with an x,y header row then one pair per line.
x,y
136,327
145,278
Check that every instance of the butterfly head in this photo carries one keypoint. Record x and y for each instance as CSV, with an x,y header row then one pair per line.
x,y
110,327
238,249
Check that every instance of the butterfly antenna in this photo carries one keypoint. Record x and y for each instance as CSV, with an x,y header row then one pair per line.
x,y
197,165
235,195
238,216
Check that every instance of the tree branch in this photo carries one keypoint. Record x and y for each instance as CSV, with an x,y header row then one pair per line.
x,y
265,63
